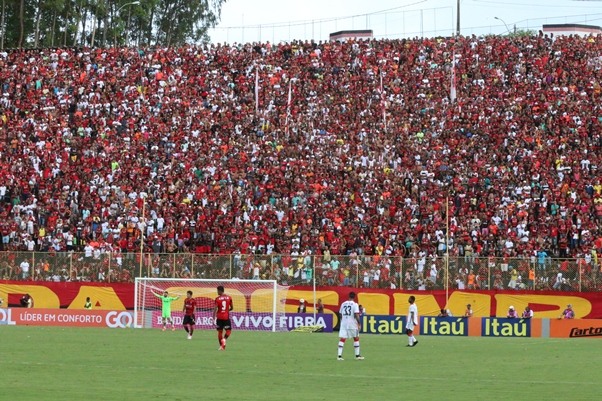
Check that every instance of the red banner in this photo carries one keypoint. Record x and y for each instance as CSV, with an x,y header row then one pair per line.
x,y
66,317
119,297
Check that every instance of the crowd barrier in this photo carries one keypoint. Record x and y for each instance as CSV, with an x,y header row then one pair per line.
x,y
361,271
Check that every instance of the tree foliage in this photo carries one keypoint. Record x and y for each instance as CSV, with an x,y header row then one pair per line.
x,y
518,33
53,23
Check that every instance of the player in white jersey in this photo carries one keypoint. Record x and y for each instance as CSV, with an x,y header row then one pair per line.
x,y
412,322
350,326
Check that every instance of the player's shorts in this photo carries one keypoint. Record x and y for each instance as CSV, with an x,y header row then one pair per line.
x,y
223,324
349,333
188,320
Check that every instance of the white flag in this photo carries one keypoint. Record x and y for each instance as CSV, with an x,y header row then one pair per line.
x,y
290,88
383,101
256,90
288,105
452,90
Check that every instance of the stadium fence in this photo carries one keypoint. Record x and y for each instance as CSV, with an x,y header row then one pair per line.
x,y
361,271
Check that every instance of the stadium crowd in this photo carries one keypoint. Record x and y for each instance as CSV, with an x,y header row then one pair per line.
x,y
352,148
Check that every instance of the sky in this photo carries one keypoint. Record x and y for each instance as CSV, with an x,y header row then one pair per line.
x,y
284,20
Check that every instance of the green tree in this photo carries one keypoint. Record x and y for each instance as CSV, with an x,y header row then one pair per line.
x,y
517,33
194,18
43,23
17,18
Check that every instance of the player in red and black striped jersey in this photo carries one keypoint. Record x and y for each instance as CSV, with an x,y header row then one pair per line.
x,y
221,315
189,309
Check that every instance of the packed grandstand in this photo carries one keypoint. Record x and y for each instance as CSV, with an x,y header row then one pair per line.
x,y
307,149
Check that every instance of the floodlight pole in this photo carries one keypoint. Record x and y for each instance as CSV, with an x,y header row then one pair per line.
x,y
458,19
142,236
447,252
504,22
132,3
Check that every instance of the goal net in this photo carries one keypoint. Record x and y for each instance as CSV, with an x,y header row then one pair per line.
x,y
257,304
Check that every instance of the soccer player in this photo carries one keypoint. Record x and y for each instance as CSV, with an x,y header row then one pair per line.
x,y
350,326
166,301
412,322
189,309
221,316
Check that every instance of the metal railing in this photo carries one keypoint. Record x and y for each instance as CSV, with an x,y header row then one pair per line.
x,y
427,273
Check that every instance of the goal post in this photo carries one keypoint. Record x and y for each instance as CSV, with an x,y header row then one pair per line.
x,y
257,304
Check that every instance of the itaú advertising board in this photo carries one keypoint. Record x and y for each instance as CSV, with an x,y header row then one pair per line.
x,y
485,327
428,325
66,318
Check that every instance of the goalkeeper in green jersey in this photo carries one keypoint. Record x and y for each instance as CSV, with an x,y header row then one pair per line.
x,y
166,301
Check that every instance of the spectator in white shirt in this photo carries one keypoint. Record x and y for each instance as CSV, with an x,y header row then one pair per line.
x,y
24,269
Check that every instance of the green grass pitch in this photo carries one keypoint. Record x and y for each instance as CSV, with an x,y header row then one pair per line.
x,y
47,364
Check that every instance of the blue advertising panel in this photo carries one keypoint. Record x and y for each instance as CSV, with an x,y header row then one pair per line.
x,y
444,326
254,321
505,327
383,324
294,320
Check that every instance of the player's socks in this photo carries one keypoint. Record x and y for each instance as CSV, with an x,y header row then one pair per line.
x,y
186,328
356,346
341,345
410,341
228,332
